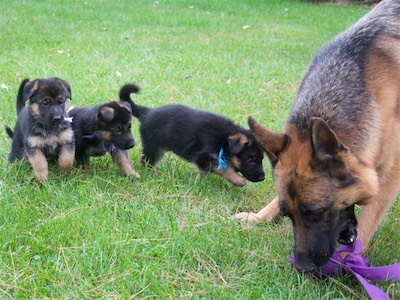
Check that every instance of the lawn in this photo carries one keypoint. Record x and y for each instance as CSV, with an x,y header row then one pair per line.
x,y
93,234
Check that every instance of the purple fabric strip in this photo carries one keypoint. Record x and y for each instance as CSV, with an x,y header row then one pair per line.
x,y
111,149
358,265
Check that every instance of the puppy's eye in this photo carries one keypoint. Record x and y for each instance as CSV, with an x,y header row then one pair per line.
x,y
61,101
251,159
45,102
119,130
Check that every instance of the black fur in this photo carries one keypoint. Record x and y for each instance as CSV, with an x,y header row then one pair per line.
x,y
196,136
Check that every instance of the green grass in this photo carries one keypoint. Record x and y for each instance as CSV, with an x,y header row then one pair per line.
x,y
95,234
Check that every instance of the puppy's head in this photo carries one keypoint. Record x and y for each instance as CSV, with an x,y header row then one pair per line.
x,y
246,155
114,121
318,181
47,99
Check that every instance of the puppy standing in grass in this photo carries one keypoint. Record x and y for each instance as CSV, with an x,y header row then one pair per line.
x,y
101,129
341,142
43,130
212,142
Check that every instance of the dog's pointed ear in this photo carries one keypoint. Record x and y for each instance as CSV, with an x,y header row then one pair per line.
x,y
106,114
272,142
125,105
325,144
29,88
237,142
65,85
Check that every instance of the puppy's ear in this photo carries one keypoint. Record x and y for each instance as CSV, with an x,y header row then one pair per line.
x,y
125,105
65,85
237,142
29,88
106,114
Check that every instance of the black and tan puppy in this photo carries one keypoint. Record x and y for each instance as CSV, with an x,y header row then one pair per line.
x,y
104,128
340,146
211,142
43,130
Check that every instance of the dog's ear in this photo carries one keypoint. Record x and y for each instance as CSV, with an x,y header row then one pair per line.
x,y
325,143
65,85
272,142
125,105
29,88
237,142
106,114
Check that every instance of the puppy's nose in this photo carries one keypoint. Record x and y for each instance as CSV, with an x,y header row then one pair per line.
x,y
131,143
57,118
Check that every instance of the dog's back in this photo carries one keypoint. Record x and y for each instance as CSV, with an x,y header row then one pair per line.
x,y
336,95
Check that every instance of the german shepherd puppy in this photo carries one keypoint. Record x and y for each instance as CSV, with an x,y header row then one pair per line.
x,y
43,130
341,142
104,128
211,142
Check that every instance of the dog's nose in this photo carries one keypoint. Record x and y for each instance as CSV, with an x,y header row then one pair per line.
x,y
57,118
131,144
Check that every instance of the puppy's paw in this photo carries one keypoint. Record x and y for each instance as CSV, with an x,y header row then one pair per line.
x,y
239,181
247,217
41,176
133,174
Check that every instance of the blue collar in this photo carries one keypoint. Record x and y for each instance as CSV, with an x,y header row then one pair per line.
x,y
222,161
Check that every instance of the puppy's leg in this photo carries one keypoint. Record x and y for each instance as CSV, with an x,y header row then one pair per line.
x,y
39,164
121,158
152,153
66,158
267,214
230,174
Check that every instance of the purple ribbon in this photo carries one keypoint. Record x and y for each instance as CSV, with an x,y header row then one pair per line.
x,y
358,265
110,149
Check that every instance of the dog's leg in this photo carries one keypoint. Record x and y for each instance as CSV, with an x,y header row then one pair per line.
x,y
66,158
372,214
121,158
39,164
267,214
230,174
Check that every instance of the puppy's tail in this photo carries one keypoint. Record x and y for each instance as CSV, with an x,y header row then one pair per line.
x,y
125,95
9,131
20,96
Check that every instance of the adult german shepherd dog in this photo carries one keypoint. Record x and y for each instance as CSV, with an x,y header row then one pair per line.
x,y
341,142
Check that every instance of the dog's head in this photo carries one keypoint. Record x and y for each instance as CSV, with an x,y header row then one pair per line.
x,y
114,121
318,181
47,99
246,156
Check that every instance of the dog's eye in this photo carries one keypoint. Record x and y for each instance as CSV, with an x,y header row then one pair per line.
x,y
119,130
282,209
45,102
61,100
251,159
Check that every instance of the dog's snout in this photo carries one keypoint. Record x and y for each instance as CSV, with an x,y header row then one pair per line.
x,y
131,143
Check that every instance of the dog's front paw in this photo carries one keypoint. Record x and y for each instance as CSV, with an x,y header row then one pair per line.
x,y
238,181
133,174
247,217
41,176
